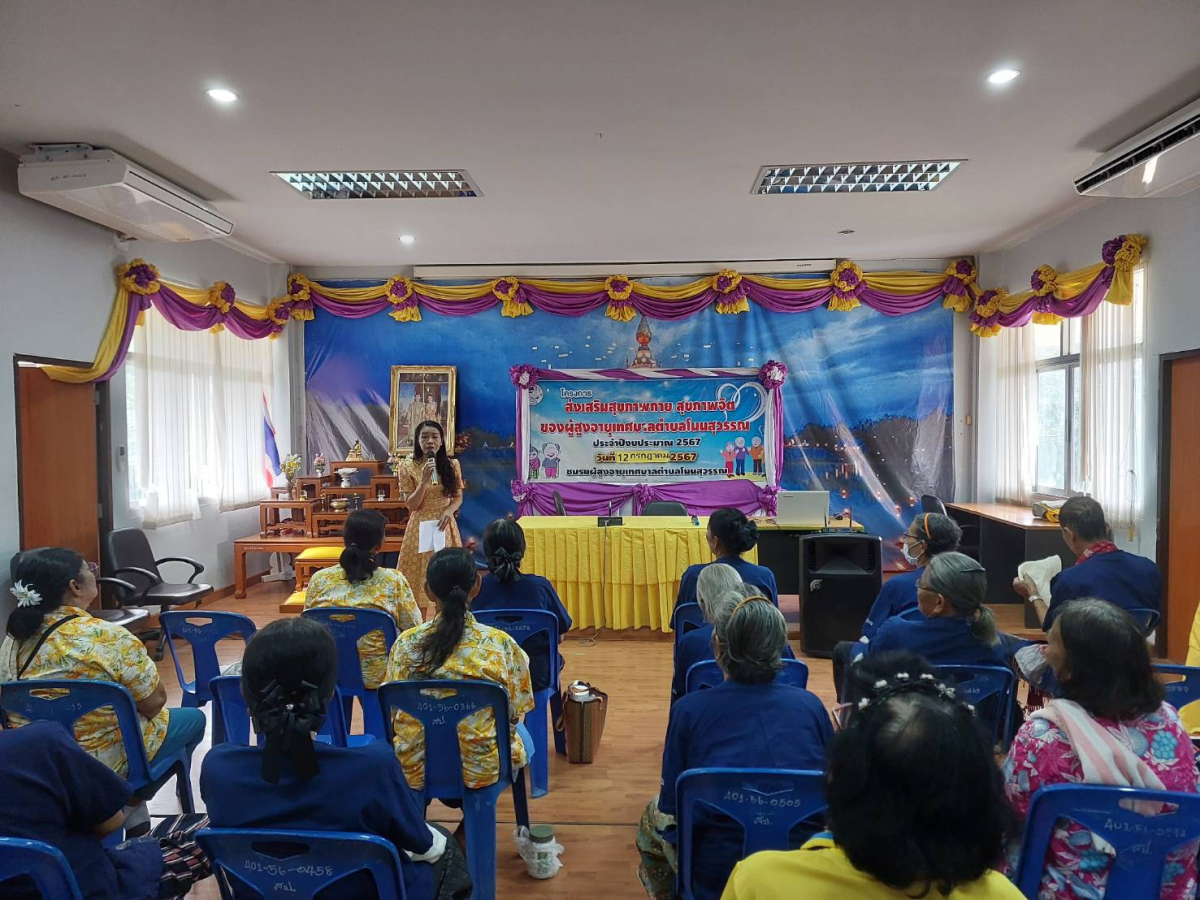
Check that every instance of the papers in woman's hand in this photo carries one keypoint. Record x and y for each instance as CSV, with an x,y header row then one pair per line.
x,y
431,537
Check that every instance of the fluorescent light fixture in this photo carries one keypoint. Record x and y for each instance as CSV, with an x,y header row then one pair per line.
x,y
1003,76
221,95
854,178
407,240
393,184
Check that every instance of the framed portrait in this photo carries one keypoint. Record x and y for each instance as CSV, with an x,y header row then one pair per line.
x,y
421,393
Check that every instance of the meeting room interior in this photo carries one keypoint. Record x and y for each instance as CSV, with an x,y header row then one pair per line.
x,y
599,450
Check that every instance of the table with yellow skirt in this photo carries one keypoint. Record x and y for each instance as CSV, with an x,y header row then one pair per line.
x,y
620,576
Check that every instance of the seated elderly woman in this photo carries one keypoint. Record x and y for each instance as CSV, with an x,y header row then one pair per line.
x,y
730,535
289,672
717,586
916,802
1108,725
749,720
51,635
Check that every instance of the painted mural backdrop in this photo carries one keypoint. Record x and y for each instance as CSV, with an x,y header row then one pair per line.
x,y
868,401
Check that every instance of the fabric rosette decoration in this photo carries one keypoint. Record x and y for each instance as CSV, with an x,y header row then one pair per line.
x,y
643,494
620,298
139,277
299,295
520,491
508,291
985,318
1044,282
399,292
1123,252
732,301
523,376
960,283
221,296
847,280
768,499
772,374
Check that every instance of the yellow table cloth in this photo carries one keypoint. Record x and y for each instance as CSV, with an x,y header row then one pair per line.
x,y
623,576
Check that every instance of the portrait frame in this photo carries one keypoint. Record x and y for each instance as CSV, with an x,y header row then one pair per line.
x,y
440,382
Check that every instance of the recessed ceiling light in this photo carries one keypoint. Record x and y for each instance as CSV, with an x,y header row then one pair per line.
x,y
846,231
854,178
221,95
407,239
385,185
1002,76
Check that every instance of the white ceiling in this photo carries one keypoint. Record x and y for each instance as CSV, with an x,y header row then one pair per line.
x,y
690,97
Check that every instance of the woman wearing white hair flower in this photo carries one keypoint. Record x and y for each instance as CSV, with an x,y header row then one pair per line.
x,y
51,635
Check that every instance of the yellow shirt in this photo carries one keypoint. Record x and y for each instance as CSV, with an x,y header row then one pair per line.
x,y
820,870
486,654
386,590
91,648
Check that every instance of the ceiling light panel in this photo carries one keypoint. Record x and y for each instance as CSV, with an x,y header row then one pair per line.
x,y
390,185
855,178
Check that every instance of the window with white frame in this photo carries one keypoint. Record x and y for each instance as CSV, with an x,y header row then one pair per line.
x,y
1056,349
195,407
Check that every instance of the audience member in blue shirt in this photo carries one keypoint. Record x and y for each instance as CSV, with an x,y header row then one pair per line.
x,y
1103,572
928,535
748,721
954,628
730,534
507,587
55,792
288,676
718,590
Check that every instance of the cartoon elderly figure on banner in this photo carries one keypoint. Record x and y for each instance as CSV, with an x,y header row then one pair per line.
x,y
757,451
550,454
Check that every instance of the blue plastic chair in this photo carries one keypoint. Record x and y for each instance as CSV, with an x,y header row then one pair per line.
x,y
347,625
706,674
43,864
767,803
1142,842
65,701
298,864
201,629
687,617
523,625
1146,618
1180,693
977,685
231,717
439,716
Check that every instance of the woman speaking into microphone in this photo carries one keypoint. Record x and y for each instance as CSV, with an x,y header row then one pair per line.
x,y
432,483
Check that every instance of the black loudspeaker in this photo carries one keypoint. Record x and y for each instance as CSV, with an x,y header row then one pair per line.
x,y
840,576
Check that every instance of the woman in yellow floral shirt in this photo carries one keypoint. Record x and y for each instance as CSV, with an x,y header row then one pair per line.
x,y
360,582
453,645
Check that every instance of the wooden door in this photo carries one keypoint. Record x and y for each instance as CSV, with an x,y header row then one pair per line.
x,y
58,469
1180,500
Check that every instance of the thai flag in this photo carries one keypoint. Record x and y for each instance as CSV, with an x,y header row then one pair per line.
x,y
270,448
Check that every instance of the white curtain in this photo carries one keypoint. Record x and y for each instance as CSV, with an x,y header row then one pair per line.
x,y
1016,415
1111,362
196,416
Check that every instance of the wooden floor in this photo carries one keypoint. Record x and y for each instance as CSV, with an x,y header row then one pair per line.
x,y
594,809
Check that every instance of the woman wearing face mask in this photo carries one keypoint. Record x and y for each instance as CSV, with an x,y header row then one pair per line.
x,y
432,483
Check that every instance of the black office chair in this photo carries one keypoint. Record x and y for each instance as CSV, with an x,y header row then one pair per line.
x,y
130,556
931,504
125,615
559,508
969,545
664,508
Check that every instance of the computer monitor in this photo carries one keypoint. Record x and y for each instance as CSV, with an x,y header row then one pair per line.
x,y
802,508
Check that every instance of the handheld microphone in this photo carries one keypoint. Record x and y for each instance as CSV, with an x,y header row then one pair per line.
x,y
433,480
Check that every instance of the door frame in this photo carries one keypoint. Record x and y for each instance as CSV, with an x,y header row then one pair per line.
x,y
1166,362
103,405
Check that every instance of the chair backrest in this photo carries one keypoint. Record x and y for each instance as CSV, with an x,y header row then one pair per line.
x,y
931,504
1180,693
348,624
767,803
439,705
130,547
1142,842
523,625
687,617
202,629
992,690
43,864
67,700
1146,618
298,864
664,508
706,674
231,716
560,508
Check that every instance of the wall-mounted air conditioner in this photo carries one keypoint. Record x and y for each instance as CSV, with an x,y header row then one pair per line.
x,y
1162,161
104,187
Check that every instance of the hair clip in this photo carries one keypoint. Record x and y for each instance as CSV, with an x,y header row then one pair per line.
x,y
26,596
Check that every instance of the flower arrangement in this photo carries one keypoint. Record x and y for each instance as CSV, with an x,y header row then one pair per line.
x,y
393,463
772,374
523,376
290,466
319,463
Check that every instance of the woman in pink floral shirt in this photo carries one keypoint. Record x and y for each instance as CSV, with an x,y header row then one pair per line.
x,y
1110,700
